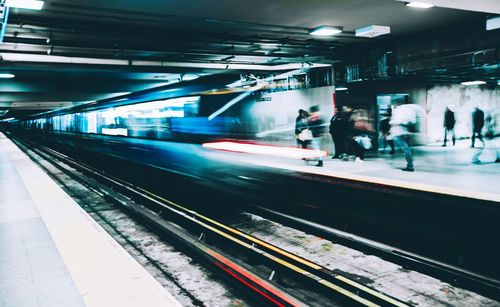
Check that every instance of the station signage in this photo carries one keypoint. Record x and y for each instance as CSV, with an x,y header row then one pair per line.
x,y
264,99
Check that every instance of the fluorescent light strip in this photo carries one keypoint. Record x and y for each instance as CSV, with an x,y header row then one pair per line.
x,y
325,31
25,4
41,58
6,76
419,5
467,83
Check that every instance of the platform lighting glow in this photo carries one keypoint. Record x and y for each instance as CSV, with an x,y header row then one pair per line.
x,y
325,31
8,119
25,4
189,77
286,152
419,5
467,83
6,76
342,88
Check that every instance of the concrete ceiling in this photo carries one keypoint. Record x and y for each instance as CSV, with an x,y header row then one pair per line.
x,y
86,50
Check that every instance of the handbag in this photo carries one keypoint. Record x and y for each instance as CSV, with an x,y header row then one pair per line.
x,y
305,135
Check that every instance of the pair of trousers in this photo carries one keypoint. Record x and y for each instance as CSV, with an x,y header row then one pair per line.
x,y
452,131
316,145
403,142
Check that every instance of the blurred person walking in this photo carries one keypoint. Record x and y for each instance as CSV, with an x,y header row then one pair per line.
x,y
302,136
449,125
477,125
316,124
402,122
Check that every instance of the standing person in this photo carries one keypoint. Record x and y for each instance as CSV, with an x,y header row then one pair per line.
x,y
337,130
403,117
449,125
316,124
301,125
477,125
348,118
385,127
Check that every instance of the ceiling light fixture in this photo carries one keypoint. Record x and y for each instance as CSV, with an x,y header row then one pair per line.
x,y
341,88
467,83
493,23
25,4
325,31
6,76
373,31
419,5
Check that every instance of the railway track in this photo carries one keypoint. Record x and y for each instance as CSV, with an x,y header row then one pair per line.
x,y
275,276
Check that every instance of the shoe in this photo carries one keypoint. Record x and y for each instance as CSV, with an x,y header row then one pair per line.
x,y
392,152
471,146
408,169
335,157
359,160
320,164
444,145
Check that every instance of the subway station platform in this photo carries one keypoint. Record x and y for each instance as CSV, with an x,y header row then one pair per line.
x,y
453,170
53,254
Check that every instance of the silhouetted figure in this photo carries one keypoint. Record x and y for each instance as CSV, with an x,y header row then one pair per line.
x,y
385,127
338,131
348,117
316,124
449,125
301,125
477,125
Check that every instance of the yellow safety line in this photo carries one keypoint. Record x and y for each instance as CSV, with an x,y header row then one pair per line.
x,y
251,238
371,291
348,293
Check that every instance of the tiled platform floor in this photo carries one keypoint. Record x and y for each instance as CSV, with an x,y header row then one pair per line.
x,y
53,254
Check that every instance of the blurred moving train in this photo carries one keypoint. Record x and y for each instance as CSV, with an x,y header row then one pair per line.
x,y
212,107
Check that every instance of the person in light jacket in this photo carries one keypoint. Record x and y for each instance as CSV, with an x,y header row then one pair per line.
x,y
402,117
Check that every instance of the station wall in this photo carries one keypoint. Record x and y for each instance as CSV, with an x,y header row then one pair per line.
x,y
462,100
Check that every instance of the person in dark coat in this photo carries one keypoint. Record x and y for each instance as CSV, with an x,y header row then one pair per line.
x,y
477,125
385,127
449,125
338,131
300,125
